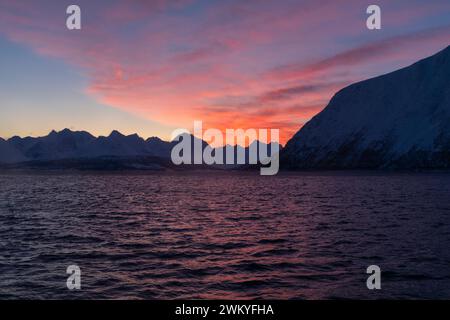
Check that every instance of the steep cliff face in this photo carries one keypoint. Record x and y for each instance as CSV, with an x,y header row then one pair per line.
x,y
398,120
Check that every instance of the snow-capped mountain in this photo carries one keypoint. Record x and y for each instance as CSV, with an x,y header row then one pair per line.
x,y
81,145
68,144
398,120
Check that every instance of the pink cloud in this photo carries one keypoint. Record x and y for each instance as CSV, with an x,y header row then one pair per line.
x,y
234,63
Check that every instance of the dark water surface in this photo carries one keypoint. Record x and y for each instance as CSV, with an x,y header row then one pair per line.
x,y
292,236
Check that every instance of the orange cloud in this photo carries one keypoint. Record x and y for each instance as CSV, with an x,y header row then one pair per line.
x,y
234,64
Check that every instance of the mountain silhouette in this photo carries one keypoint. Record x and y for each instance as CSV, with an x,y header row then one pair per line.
x,y
399,120
80,149
68,144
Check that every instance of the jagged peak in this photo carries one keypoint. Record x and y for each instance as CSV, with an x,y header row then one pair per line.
x,y
16,138
66,133
154,139
115,133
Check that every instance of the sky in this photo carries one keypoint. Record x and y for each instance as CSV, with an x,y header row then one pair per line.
x,y
149,67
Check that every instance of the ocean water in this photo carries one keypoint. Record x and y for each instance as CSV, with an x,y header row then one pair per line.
x,y
225,235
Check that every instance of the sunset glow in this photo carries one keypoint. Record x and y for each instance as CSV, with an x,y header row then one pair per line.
x,y
232,64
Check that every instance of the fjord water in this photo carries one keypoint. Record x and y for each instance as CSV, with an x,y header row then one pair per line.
x,y
225,235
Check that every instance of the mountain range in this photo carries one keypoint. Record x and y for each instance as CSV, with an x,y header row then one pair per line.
x,y
80,149
68,144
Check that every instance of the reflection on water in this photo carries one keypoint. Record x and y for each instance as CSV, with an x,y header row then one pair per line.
x,y
291,236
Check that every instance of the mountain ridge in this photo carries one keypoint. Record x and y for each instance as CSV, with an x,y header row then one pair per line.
x,y
70,147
